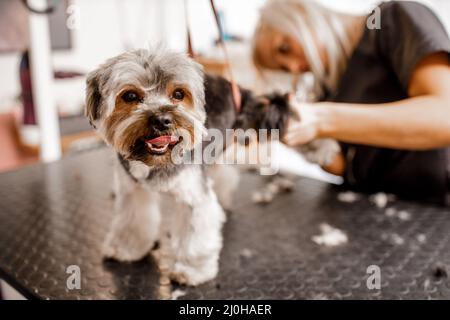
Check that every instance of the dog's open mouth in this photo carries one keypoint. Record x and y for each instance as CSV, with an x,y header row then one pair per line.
x,y
161,144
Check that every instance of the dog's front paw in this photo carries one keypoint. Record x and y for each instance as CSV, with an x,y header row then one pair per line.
x,y
125,251
189,275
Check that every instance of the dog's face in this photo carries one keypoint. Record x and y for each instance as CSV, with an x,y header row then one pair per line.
x,y
148,104
270,111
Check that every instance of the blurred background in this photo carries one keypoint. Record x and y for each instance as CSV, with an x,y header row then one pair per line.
x,y
48,46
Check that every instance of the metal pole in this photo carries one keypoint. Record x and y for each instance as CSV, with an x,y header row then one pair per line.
x,y
42,83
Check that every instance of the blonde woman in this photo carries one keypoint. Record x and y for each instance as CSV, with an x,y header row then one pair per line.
x,y
385,90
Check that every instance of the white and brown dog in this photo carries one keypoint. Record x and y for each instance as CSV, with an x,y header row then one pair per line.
x,y
153,107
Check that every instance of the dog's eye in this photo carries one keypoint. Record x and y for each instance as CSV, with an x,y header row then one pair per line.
x,y
178,94
130,96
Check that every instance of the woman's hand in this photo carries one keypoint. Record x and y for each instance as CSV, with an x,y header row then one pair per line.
x,y
420,122
303,126
306,125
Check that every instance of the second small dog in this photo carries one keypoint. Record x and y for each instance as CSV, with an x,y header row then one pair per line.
x,y
153,107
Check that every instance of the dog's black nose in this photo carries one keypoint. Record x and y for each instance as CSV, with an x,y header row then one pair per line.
x,y
161,122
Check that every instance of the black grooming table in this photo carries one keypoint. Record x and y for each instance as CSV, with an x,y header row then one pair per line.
x,y
53,216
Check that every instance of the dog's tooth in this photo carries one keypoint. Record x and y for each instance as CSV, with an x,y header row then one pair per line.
x,y
157,148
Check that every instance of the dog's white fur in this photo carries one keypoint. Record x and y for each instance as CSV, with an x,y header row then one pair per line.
x,y
182,212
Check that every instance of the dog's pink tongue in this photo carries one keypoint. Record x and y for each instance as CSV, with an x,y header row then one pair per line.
x,y
163,140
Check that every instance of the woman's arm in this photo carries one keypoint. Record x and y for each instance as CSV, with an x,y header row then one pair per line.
x,y
417,123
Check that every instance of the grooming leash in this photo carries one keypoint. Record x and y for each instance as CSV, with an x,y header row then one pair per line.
x,y
237,98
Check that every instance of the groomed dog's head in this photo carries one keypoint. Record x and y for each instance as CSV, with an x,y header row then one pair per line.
x,y
269,111
147,103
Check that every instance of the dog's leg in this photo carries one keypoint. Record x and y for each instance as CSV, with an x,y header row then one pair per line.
x,y
196,241
135,226
225,181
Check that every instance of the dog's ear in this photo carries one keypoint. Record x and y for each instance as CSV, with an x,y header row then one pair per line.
x,y
93,98
247,117
242,122
276,113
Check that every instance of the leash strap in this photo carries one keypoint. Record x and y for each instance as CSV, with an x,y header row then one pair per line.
x,y
234,87
190,48
236,93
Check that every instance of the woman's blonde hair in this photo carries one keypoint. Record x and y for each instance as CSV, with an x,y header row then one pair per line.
x,y
305,21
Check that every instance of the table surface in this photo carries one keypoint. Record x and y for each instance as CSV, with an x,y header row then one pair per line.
x,y
56,215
